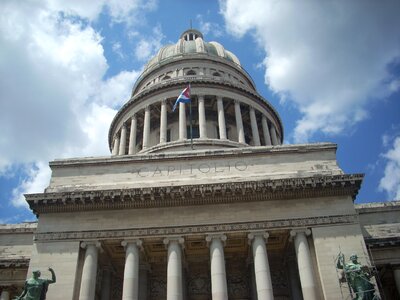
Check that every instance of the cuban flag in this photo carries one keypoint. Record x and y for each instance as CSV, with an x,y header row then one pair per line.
x,y
184,97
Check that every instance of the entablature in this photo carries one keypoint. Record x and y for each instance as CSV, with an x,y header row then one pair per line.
x,y
196,194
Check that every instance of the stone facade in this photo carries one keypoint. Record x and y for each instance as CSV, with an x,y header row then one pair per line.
x,y
230,213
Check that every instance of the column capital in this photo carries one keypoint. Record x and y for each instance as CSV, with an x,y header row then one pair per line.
x,y
133,117
253,234
236,101
147,108
200,96
124,125
86,244
180,240
136,242
294,232
221,237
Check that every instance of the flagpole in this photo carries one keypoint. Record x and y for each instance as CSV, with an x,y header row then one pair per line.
x,y
191,124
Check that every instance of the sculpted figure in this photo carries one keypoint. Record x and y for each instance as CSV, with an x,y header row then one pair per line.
x,y
35,287
358,277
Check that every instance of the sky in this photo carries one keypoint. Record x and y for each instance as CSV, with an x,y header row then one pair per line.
x,y
330,68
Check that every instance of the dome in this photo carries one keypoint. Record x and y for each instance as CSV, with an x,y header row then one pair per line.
x,y
191,42
225,111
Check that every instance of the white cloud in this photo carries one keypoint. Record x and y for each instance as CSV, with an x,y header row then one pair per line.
x,y
96,125
54,100
116,90
38,177
117,49
390,183
329,58
209,27
129,11
149,45
120,11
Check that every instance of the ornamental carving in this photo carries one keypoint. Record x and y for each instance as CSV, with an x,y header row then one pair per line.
x,y
196,229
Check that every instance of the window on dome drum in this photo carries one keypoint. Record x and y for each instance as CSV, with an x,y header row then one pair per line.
x,y
191,73
216,74
196,132
165,78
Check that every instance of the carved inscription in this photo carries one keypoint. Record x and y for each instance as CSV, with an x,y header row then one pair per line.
x,y
191,169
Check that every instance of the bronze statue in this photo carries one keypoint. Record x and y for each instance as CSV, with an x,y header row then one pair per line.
x,y
358,278
35,287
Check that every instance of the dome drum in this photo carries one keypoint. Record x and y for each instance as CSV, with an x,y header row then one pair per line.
x,y
218,118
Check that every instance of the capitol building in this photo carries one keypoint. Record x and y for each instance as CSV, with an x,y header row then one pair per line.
x,y
204,202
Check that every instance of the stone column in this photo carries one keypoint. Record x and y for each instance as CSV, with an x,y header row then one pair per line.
x,y
5,295
115,149
132,136
130,289
273,135
89,272
143,274
254,127
304,264
221,119
163,122
219,288
396,273
261,265
239,123
267,136
174,268
106,284
202,118
182,121
146,128
122,142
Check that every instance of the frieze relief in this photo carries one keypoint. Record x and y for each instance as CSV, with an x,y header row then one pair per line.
x,y
196,229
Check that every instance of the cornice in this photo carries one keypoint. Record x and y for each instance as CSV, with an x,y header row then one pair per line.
x,y
18,228
14,262
377,207
382,242
197,229
200,194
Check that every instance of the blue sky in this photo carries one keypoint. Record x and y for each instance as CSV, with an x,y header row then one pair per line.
x,y
330,68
